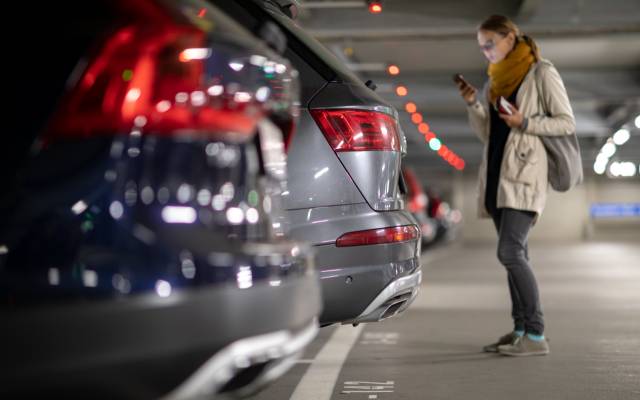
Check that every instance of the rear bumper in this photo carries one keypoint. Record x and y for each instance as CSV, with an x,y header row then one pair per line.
x,y
393,300
154,345
353,278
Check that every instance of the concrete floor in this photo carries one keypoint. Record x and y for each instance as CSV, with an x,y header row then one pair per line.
x,y
591,299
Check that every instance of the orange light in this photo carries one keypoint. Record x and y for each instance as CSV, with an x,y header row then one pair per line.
x,y
410,107
393,69
423,128
428,136
375,7
416,118
401,91
202,13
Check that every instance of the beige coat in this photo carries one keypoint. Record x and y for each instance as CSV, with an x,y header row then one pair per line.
x,y
523,175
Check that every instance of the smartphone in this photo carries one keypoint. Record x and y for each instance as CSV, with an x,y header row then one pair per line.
x,y
458,79
504,106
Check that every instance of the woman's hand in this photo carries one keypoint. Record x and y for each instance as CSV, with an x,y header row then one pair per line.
x,y
468,92
514,120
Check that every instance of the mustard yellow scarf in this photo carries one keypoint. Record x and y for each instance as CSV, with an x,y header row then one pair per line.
x,y
508,73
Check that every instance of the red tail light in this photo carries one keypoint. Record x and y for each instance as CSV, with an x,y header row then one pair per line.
x,y
358,130
394,234
149,73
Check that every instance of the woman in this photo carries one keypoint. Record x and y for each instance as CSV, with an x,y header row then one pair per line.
x,y
513,174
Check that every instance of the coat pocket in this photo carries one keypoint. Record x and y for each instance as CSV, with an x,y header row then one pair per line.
x,y
520,163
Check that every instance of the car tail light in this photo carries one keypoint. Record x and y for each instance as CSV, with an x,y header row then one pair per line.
x,y
393,234
358,130
150,73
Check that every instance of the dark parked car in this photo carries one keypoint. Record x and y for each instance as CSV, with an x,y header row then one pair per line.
x,y
344,168
417,204
138,254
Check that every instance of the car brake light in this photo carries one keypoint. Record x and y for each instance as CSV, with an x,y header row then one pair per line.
x,y
151,73
358,130
393,234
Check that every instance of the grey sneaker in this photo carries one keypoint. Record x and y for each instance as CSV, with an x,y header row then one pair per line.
x,y
509,338
524,347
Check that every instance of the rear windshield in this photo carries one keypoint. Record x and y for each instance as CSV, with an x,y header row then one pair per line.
x,y
339,69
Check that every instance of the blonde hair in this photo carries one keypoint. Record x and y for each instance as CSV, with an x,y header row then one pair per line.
x,y
503,25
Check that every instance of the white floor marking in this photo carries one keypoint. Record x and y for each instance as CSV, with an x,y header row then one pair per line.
x,y
378,338
320,379
352,387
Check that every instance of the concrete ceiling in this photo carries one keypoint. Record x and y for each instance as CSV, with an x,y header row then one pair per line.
x,y
595,44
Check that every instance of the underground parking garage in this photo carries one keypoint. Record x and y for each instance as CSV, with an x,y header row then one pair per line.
x,y
331,199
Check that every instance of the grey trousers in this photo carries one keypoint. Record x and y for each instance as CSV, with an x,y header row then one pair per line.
x,y
513,228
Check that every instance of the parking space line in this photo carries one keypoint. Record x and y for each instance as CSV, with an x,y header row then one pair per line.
x,y
321,377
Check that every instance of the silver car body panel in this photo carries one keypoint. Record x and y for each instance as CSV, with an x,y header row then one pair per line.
x,y
316,178
323,225
376,174
353,278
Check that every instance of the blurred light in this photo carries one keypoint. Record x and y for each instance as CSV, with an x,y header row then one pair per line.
x,y
638,122
235,215
257,60
79,207
252,216
139,121
227,191
275,283
429,136
127,75
215,90
435,144
121,284
146,195
202,12
188,268
244,277
375,7
198,98
401,91
185,192
348,51
393,69
321,172
281,68
194,54
416,118
89,278
424,128
266,204
621,137
163,288
276,225
204,197
241,97
237,66
163,106
262,94
178,215
54,276
4,249
218,202
624,169
116,210
133,95
599,167
609,149
163,195
410,107
182,97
